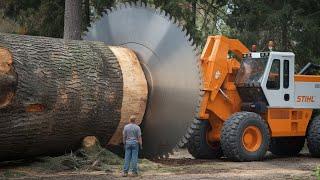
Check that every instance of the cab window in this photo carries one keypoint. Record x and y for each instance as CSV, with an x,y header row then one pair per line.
x,y
274,75
286,74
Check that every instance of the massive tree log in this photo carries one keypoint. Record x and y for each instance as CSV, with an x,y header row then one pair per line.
x,y
56,93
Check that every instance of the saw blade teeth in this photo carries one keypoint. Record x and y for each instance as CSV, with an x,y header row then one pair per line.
x,y
143,4
194,46
193,126
108,11
167,14
119,6
202,93
174,20
180,27
114,8
180,144
184,140
177,23
190,130
152,6
184,30
198,51
135,3
104,12
188,37
158,11
187,135
139,3
196,122
148,5
191,41
163,13
127,4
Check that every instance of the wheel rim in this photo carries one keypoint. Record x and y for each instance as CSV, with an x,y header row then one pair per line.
x,y
252,138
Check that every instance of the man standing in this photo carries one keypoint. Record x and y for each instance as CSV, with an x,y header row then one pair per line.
x,y
131,140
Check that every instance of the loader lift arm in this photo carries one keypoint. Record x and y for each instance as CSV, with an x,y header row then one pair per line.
x,y
220,98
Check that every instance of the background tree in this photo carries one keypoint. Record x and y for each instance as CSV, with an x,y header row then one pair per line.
x,y
292,25
72,19
35,17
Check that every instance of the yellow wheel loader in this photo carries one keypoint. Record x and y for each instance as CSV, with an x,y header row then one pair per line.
x,y
254,103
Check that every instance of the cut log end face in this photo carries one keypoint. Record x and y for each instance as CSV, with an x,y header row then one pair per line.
x,y
8,78
135,90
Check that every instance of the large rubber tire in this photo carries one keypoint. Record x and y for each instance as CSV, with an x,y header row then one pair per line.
x,y
232,137
288,146
313,137
198,146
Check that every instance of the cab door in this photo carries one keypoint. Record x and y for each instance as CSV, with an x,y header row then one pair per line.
x,y
278,80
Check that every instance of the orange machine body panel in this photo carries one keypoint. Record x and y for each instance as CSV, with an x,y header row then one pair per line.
x,y
288,122
220,97
306,78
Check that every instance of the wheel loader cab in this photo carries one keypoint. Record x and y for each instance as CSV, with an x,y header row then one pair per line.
x,y
266,79
268,86
278,80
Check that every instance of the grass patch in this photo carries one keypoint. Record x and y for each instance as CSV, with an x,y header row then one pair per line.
x,y
6,174
317,172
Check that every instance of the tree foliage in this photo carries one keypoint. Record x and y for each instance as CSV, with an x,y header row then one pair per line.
x,y
293,25
36,17
45,17
201,18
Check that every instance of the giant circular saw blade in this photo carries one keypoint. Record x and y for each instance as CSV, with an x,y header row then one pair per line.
x,y
169,60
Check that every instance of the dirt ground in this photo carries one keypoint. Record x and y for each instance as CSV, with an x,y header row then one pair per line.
x,y
182,166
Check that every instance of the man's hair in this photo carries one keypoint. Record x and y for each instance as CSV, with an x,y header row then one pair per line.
x,y
132,119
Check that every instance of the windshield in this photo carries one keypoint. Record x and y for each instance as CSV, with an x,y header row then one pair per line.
x,y
251,70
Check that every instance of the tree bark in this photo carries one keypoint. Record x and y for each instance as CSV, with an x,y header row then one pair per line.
x,y
64,91
72,19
